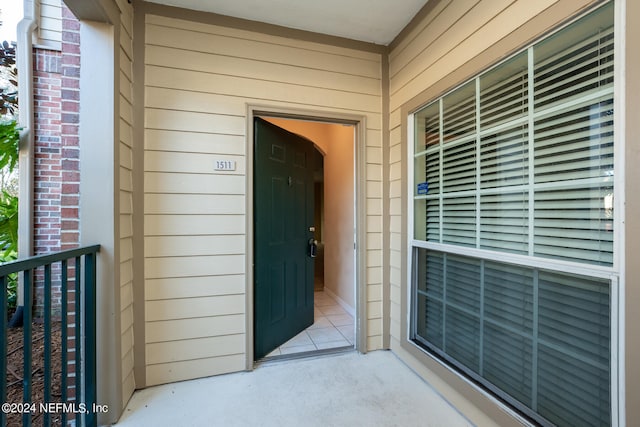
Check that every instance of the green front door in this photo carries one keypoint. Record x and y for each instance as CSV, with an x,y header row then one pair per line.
x,y
283,221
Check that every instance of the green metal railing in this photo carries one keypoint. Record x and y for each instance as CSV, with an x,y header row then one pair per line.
x,y
82,262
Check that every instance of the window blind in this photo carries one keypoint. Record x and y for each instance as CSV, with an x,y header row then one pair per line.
x,y
459,220
504,158
563,166
459,166
539,339
504,93
568,69
508,329
427,170
428,129
503,222
462,310
459,113
574,350
574,224
430,283
576,143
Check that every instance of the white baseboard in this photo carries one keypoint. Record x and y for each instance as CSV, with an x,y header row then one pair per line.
x,y
341,302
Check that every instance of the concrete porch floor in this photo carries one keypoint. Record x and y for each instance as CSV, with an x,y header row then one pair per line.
x,y
349,389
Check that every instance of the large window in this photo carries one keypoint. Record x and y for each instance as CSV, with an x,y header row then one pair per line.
x,y
513,251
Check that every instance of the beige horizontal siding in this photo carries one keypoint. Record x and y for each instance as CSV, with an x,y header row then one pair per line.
x,y
194,183
193,163
199,327
173,246
192,142
247,87
195,223
177,371
199,102
183,59
175,33
458,18
187,308
193,122
194,204
126,200
374,239
201,224
49,31
424,33
374,275
193,266
194,287
248,34
177,351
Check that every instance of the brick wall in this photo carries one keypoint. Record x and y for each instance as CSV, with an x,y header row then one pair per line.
x,y
70,163
56,152
57,170
47,168
47,110
70,154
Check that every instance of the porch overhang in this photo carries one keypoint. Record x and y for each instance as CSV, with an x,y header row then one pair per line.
x,y
370,21
92,10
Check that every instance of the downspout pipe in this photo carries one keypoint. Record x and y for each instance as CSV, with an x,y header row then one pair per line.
x,y
26,120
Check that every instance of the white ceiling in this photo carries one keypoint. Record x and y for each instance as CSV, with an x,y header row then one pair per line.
x,y
374,21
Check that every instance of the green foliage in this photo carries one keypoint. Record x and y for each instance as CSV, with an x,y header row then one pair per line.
x,y
12,282
9,144
9,98
9,149
9,139
8,224
9,241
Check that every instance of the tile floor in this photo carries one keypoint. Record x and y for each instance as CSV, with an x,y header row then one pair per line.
x,y
333,327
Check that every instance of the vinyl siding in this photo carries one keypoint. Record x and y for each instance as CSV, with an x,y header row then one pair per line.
x,y
199,79
453,42
49,31
126,200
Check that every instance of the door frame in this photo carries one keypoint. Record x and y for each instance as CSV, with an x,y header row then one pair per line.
x,y
359,124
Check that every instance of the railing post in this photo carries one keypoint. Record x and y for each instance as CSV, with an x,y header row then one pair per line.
x,y
78,332
26,342
3,346
90,338
64,302
47,342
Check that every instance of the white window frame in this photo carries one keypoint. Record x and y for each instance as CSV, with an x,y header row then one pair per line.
x,y
614,273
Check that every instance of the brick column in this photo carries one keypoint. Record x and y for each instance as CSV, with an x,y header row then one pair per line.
x,y
57,165
70,166
47,168
57,171
46,83
70,155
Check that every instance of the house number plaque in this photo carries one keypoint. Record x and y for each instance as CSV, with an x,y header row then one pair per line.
x,y
225,165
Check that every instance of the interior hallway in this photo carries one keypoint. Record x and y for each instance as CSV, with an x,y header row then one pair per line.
x,y
350,389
